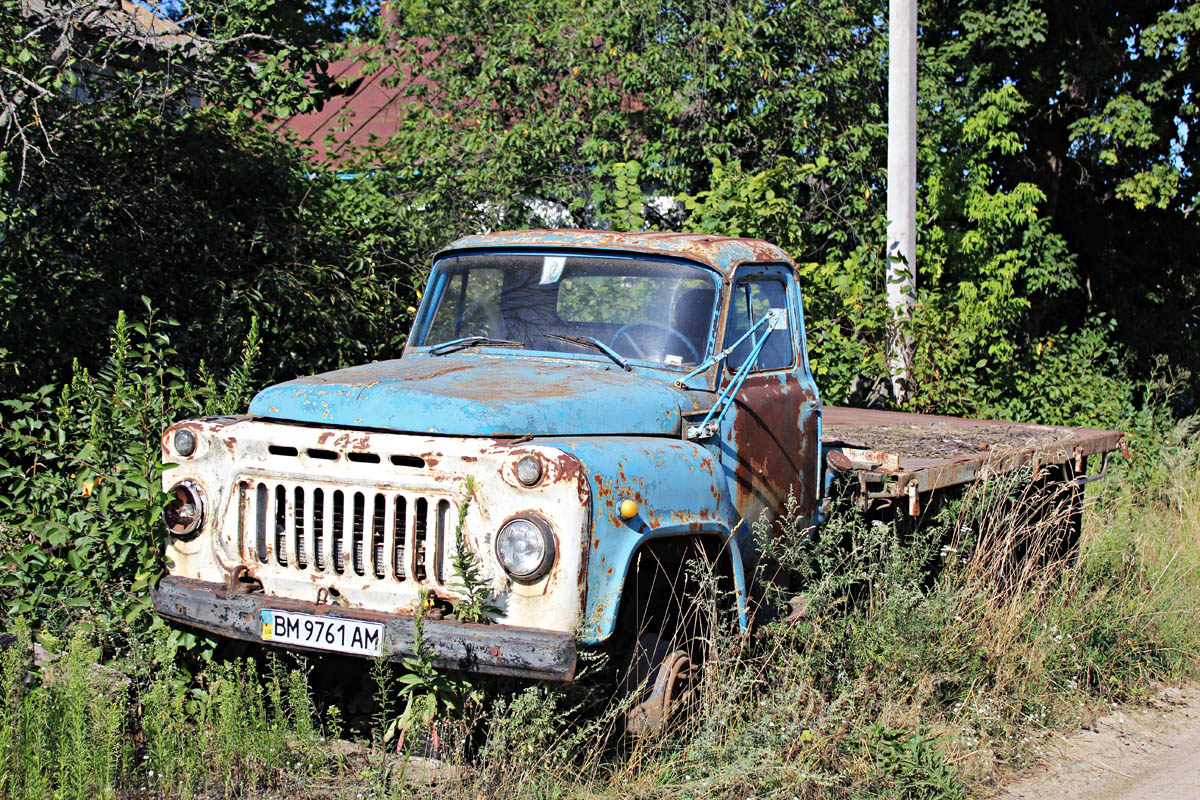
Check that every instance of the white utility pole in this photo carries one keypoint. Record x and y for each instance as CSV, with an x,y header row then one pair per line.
x,y
901,186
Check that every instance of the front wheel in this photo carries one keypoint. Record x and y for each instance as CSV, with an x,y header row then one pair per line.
x,y
673,604
670,681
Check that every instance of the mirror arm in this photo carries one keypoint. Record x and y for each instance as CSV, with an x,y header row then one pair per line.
x,y
777,317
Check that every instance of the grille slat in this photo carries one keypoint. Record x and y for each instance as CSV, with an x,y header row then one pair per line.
x,y
327,537
337,532
359,527
285,525
261,511
400,566
420,531
347,543
378,523
386,535
302,524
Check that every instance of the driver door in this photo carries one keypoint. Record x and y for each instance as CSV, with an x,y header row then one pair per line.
x,y
769,438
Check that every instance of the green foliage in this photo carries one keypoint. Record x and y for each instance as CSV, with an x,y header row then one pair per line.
x,y
74,728
241,228
63,736
547,115
80,512
1100,131
910,765
477,606
766,121
920,656
428,692
763,205
762,120
627,196
988,261
134,187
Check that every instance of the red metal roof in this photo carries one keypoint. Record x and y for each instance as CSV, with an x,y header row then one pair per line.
x,y
369,113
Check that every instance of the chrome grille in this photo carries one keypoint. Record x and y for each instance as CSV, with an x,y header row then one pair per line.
x,y
388,534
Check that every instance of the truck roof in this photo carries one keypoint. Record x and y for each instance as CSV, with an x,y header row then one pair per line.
x,y
722,253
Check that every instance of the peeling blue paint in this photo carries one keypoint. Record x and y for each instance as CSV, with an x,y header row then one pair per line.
x,y
484,394
680,490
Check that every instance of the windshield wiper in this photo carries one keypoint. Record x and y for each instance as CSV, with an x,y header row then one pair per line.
x,y
471,341
595,344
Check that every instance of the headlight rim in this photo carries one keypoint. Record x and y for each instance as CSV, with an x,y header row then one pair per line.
x,y
537,464
185,452
550,551
193,530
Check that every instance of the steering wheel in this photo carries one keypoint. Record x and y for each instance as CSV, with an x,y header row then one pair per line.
x,y
637,348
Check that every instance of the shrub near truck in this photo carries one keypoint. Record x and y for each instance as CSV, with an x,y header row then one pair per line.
x,y
621,401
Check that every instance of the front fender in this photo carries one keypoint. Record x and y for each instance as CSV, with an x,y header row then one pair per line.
x,y
680,490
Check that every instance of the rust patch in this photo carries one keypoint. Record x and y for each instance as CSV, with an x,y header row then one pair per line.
x,y
775,448
722,253
566,468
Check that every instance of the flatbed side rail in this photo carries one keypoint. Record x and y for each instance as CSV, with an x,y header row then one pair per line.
x,y
899,455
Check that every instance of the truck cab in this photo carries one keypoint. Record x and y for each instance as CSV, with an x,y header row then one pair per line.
x,y
606,397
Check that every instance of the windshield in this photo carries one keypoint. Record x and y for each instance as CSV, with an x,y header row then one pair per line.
x,y
647,310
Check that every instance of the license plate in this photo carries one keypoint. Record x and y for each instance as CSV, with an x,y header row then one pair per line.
x,y
323,633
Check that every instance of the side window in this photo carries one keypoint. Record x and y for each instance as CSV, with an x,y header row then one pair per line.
x,y
751,299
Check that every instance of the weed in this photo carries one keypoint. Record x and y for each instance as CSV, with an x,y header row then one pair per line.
x,y
477,606
81,503
428,692
910,764
62,728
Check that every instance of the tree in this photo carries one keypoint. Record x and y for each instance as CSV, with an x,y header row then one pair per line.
x,y
769,119
1106,133
136,163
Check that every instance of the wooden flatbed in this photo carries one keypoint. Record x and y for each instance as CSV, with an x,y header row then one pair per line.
x,y
896,454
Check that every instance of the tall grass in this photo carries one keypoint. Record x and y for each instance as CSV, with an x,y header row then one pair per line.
x,y
75,730
921,662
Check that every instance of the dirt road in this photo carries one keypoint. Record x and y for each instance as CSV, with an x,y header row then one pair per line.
x,y
1131,754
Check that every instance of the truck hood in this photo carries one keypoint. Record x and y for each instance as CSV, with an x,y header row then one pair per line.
x,y
480,394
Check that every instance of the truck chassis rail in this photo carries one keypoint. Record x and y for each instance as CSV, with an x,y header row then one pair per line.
x,y
497,649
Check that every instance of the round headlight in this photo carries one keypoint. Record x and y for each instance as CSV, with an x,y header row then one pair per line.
x,y
185,442
184,514
529,470
525,548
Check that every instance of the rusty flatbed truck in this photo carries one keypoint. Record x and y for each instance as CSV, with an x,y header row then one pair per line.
x,y
618,399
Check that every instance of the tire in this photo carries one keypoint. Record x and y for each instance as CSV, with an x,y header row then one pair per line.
x,y
664,632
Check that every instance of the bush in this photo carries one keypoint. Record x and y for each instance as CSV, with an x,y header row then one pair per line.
x,y
80,527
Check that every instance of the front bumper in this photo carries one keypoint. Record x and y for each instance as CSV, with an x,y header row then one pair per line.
x,y
497,649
